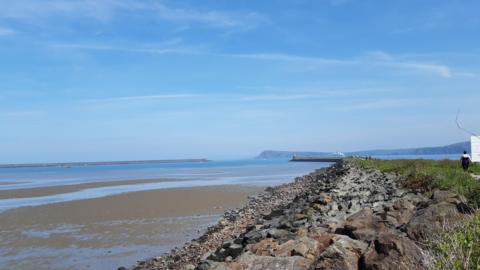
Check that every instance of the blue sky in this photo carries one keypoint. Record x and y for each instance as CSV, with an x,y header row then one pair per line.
x,y
127,79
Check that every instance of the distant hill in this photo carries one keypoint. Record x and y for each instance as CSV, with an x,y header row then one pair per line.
x,y
456,148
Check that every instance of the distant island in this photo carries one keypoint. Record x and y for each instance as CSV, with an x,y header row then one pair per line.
x,y
456,148
100,163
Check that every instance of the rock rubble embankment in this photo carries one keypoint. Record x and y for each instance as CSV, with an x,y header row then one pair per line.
x,y
343,217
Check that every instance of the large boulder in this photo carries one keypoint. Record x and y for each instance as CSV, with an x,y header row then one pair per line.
x,y
266,247
401,212
343,254
253,262
390,251
363,225
458,200
304,246
431,220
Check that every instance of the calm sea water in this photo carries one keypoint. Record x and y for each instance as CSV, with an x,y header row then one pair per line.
x,y
175,175
106,244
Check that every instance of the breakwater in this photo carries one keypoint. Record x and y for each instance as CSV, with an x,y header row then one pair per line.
x,y
343,217
100,163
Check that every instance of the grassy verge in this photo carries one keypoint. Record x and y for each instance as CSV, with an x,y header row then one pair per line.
x,y
459,247
425,175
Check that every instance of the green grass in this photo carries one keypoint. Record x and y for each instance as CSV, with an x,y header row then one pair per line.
x,y
426,175
459,247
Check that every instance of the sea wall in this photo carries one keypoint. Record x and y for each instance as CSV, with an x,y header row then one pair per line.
x,y
342,217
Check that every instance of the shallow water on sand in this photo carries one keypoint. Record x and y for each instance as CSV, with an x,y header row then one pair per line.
x,y
102,217
172,175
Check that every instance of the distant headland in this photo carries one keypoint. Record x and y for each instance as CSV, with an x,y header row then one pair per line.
x,y
100,163
450,149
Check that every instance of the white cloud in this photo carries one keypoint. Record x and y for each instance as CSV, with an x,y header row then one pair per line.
x,y
310,93
32,9
133,49
389,60
22,114
6,31
256,114
441,70
105,10
144,98
375,58
208,17
293,58
376,104
275,97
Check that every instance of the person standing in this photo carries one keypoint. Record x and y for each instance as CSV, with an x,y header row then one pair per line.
x,y
465,161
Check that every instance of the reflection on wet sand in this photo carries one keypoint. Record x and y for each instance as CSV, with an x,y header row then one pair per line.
x,y
51,190
111,231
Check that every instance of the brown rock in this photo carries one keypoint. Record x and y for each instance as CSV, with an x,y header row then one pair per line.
x,y
443,195
458,200
302,232
266,247
323,241
363,225
343,254
304,246
400,213
431,220
390,251
227,266
252,262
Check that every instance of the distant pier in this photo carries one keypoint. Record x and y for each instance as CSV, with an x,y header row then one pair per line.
x,y
101,163
317,159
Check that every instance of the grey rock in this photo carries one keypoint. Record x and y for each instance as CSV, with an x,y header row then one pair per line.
x,y
431,220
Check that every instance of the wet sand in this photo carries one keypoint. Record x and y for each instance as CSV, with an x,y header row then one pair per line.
x,y
10,183
46,191
104,233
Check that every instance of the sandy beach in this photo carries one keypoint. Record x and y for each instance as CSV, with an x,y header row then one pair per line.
x,y
111,231
46,191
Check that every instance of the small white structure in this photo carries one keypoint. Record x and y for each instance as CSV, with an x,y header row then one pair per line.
x,y
475,142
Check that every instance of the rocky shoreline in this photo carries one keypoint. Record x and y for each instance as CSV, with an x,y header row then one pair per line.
x,y
341,217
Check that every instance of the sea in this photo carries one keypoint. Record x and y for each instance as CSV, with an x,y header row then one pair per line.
x,y
252,172
30,239
173,175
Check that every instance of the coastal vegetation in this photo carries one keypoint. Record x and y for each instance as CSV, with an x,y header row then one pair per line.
x,y
427,175
459,246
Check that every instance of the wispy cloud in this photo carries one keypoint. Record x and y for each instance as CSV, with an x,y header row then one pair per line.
x,y
380,104
117,48
144,98
310,94
293,58
6,31
376,58
276,97
22,114
32,9
389,60
256,114
209,17
105,10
